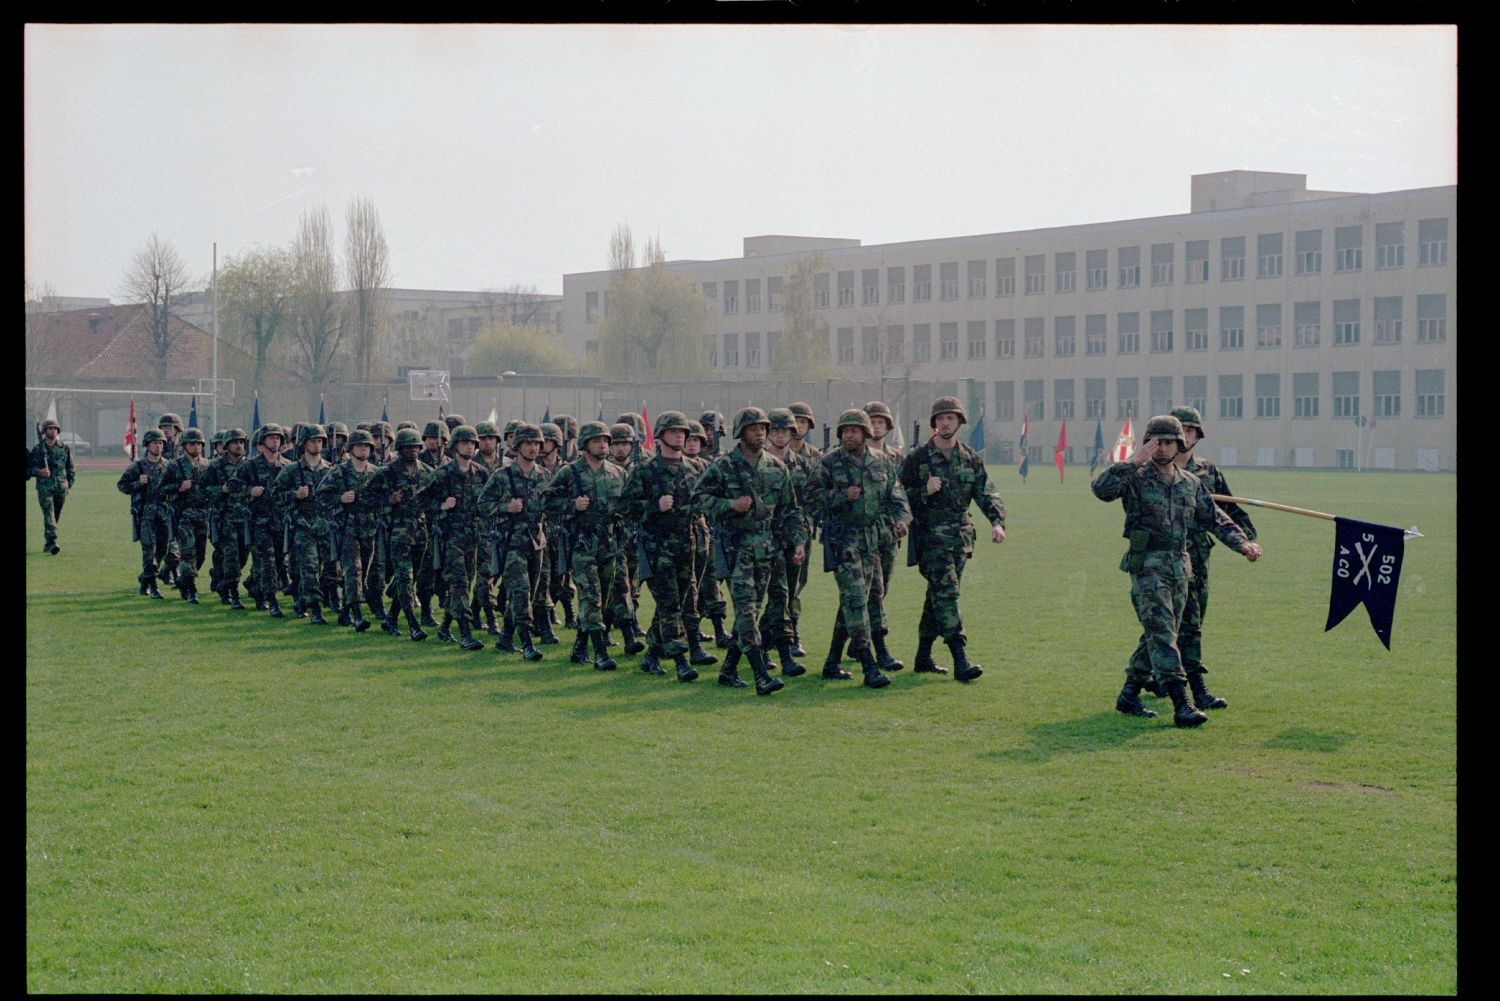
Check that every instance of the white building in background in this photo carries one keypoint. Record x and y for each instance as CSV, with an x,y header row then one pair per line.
x,y
1310,328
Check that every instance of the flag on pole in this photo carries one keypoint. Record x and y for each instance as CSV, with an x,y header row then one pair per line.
x,y
1366,571
322,420
650,441
254,414
600,418
442,413
1025,463
976,438
52,409
193,412
494,416
384,414
130,432
547,415
1061,450
1124,445
1098,444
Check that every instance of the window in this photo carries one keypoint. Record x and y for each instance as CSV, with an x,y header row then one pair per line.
x,y
1309,251
1161,331
752,350
752,295
1066,268
1390,245
1345,394
948,340
1035,337
1268,395
820,291
1095,340
1127,398
1432,235
1195,392
1097,262
711,290
869,287
591,307
773,295
1348,248
1231,397
895,341
1036,274
1005,401
1268,325
1063,328
978,287
1388,319
1232,258
1429,392
1345,321
711,345
1197,261
1005,338
1093,399
1307,324
1005,276
949,274
773,340
1268,255
1163,262
731,350
1161,393
921,342
455,326
1343,458
473,324
895,286
846,344
1128,332
846,288
921,283
1432,318
869,345
1130,267
1304,394
1231,328
976,331
1387,386
1062,399
1036,403
1195,330
731,297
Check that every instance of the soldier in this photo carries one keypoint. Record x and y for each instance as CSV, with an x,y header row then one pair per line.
x,y
434,454
585,495
170,426
713,428
225,519
351,514
622,444
381,434
338,442
51,463
710,597
397,489
458,533
451,421
142,481
569,427
858,495
692,453
748,495
805,449
513,498
656,498
941,478
553,585
296,488
488,455
188,501
507,442
1164,504
249,491
776,627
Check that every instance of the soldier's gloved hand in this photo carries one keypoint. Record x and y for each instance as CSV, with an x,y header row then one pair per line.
x,y
347,497
145,479
997,534
742,503
853,493
665,502
582,503
184,486
1252,551
515,505
302,492
933,485
450,503
255,491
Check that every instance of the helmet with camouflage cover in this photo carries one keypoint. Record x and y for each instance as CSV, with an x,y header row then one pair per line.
x,y
711,419
152,434
855,418
464,432
803,410
268,428
454,420
878,408
695,430
551,432
592,430
220,437
947,405
1165,426
407,424
192,435
307,432
361,436
235,434
486,429
524,433
336,428
747,417
382,429
436,429
667,420
621,431
364,425
170,419
408,438
510,427
50,423
782,419
627,418
569,425
1190,418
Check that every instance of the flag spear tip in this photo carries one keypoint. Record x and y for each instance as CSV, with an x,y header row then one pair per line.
x,y
1412,533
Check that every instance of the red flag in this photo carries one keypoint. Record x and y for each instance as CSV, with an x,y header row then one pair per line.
x,y
130,432
1062,448
1124,445
650,441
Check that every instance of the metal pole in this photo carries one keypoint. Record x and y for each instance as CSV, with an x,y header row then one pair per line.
x,y
215,419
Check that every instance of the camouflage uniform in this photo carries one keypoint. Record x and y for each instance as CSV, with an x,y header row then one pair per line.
x,y
810,454
51,490
404,525
625,590
148,511
224,522
354,529
307,528
459,532
518,541
427,573
189,513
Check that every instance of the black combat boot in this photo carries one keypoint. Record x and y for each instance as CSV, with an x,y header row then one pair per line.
x,y
234,598
651,665
729,674
925,664
414,628
388,625
152,591
489,621
551,618
570,621
316,611
505,642
883,656
445,631
685,671
191,596
299,607
427,619
836,647
223,592
873,676
962,669
602,660
528,651
344,619
1129,700
797,650
628,635
466,635
721,638
1183,712
144,587
358,620
789,667
580,654
1202,697
765,684
275,607
696,629
1153,688
545,635
696,654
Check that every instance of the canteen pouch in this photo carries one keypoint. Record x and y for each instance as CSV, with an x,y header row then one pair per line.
x,y
1135,559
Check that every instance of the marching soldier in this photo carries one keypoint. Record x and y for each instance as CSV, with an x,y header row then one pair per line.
x,y
338,442
143,482
486,586
170,426
351,514
805,449
777,625
51,463
189,502
249,489
397,489
296,488
434,454
458,533
627,584
942,478
553,584
513,498
225,519
692,454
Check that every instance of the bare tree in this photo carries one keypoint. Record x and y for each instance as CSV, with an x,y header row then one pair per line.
x,y
256,290
316,324
804,340
155,276
516,304
42,323
656,322
368,266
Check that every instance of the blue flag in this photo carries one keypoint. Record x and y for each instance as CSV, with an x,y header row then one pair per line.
x,y
1366,571
1025,460
384,415
1098,444
255,414
547,416
322,421
193,412
976,438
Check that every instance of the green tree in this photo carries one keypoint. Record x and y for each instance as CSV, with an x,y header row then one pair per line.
x,y
656,322
803,349
504,347
317,323
254,291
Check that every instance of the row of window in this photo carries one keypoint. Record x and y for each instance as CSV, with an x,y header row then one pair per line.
x,y
1300,455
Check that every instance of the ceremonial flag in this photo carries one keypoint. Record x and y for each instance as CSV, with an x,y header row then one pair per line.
x,y
254,414
322,420
1098,444
1366,571
52,409
494,416
1062,448
976,439
650,441
600,418
130,432
1025,462
547,415
384,415
193,412
442,413
1124,445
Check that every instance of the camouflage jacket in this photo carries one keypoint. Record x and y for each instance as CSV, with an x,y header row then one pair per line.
x,y
409,513
964,480
773,515
1199,542
360,516
216,484
303,512
59,459
1161,513
198,499
462,521
256,472
525,528
644,485
595,530
865,523
150,498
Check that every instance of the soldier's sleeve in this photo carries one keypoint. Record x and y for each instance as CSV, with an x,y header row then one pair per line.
x,y
1237,514
631,505
1113,480
912,479
68,451
706,499
495,495
557,496
1209,517
130,480
987,495
897,507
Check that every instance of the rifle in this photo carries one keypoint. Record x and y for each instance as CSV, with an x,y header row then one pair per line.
x,y
41,441
137,501
721,557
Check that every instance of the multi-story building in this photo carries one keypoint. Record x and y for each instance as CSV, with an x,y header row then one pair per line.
x,y
1311,328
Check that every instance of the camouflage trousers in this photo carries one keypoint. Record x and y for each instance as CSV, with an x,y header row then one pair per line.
x,y
710,597
541,591
192,543
777,623
228,559
364,572
460,562
51,503
593,578
631,572
406,548
861,594
941,564
1189,629
749,583
1159,593
887,562
155,540
428,577
559,584
317,570
674,582
519,580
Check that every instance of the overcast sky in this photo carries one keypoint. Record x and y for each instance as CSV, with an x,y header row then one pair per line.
x,y
504,155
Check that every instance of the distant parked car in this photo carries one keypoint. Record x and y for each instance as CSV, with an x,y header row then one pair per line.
x,y
71,439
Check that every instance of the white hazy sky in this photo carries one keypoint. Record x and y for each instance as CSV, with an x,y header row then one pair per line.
x,y
505,154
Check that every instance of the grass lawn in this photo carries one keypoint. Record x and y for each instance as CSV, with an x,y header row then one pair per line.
x,y
218,801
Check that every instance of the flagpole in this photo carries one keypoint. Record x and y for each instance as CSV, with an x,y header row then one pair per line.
x,y
1226,499
216,338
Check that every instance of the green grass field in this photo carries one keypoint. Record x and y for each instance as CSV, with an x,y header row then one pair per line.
x,y
217,801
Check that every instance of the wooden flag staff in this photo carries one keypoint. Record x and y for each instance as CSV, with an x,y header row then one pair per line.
x,y
1410,533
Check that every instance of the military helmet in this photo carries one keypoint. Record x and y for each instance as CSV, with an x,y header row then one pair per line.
x,y
152,434
407,424
192,435
364,425
464,432
220,436
524,433
170,419
510,427
695,430
878,408
486,429
235,434
711,419
408,438
267,429
382,429
782,419
803,410
947,405
748,416
50,423
855,418
667,420
627,418
1190,418
551,432
568,423
436,429
361,436
621,431
592,430
338,428
1165,426
306,432
453,421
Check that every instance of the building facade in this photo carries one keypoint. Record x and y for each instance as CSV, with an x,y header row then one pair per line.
x,y
1310,328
